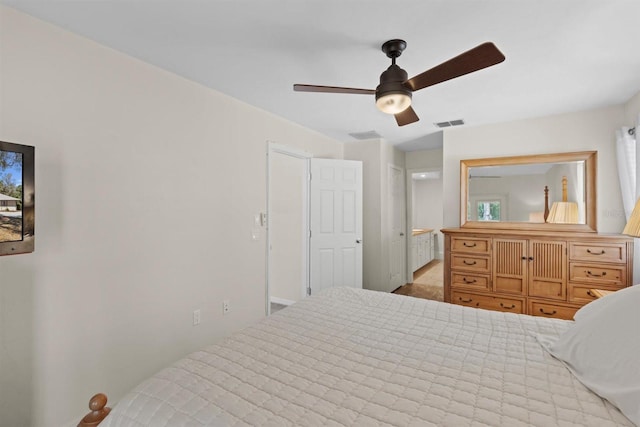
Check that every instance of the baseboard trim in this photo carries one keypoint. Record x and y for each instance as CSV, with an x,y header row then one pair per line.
x,y
281,301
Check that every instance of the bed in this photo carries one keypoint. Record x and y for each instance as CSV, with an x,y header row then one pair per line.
x,y
363,358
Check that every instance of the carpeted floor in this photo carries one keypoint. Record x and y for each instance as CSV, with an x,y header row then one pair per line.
x,y
427,283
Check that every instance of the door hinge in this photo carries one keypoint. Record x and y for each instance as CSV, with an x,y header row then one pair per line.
x,y
309,176
309,291
309,233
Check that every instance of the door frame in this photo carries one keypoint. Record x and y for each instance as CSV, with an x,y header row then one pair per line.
x,y
273,148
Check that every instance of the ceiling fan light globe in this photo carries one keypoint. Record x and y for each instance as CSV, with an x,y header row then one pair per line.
x,y
393,103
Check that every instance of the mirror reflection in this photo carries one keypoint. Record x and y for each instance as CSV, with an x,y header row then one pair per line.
x,y
552,192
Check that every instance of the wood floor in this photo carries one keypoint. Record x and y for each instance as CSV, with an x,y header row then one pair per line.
x,y
427,283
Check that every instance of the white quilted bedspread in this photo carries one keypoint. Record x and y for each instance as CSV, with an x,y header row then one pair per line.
x,y
364,358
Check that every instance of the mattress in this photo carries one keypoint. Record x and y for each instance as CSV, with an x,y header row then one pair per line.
x,y
363,358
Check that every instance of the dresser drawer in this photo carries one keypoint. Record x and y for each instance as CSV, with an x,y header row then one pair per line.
x,y
580,293
487,302
598,252
477,264
550,309
470,281
598,274
471,245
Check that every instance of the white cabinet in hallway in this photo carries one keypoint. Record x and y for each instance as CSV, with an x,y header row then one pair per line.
x,y
422,243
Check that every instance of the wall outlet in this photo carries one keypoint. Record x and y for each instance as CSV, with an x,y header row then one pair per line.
x,y
225,306
196,317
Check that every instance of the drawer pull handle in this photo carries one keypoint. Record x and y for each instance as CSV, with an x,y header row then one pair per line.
x,y
465,300
590,293
594,253
524,258
508,308
589,273
469,263
465,280
468,246
548,314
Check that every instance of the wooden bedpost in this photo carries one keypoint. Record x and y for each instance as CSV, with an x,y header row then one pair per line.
x,y
546,203
98,411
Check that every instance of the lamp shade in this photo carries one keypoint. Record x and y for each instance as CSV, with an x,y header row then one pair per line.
x,y
633,225
393,103
563,213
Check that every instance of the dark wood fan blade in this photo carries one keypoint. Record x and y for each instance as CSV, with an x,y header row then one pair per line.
x,y
406,117
332,89
483,56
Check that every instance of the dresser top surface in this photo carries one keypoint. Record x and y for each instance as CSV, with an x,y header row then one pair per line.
x,y
553,234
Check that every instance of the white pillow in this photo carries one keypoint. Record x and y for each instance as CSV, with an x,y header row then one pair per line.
x,y
602,349
594,306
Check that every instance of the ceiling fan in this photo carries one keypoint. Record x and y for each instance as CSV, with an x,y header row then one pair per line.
x,y
393,94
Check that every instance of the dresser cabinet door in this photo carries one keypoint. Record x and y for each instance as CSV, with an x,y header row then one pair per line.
x,y
510,264
548,269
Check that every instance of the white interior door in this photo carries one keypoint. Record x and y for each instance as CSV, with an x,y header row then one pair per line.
x,y
336,224
397,242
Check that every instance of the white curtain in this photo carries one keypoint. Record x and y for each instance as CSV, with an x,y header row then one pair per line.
x,y
626,156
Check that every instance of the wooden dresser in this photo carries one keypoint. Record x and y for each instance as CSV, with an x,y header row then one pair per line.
x,y
533,272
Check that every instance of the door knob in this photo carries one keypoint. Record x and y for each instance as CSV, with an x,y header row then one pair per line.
x,y
401,234
358,240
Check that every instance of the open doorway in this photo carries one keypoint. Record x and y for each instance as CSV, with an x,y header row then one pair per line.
x,y
424,246
287,226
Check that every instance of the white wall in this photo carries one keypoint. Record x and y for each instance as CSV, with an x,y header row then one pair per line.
x,y
425,159
580,131
147,185
632,110
425,200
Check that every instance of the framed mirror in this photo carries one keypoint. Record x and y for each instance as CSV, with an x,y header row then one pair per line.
x,y
539,192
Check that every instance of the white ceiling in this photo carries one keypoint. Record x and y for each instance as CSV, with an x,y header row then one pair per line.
x,y
562,56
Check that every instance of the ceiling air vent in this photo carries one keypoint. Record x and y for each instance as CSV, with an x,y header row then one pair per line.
x,y
372,134
450,123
